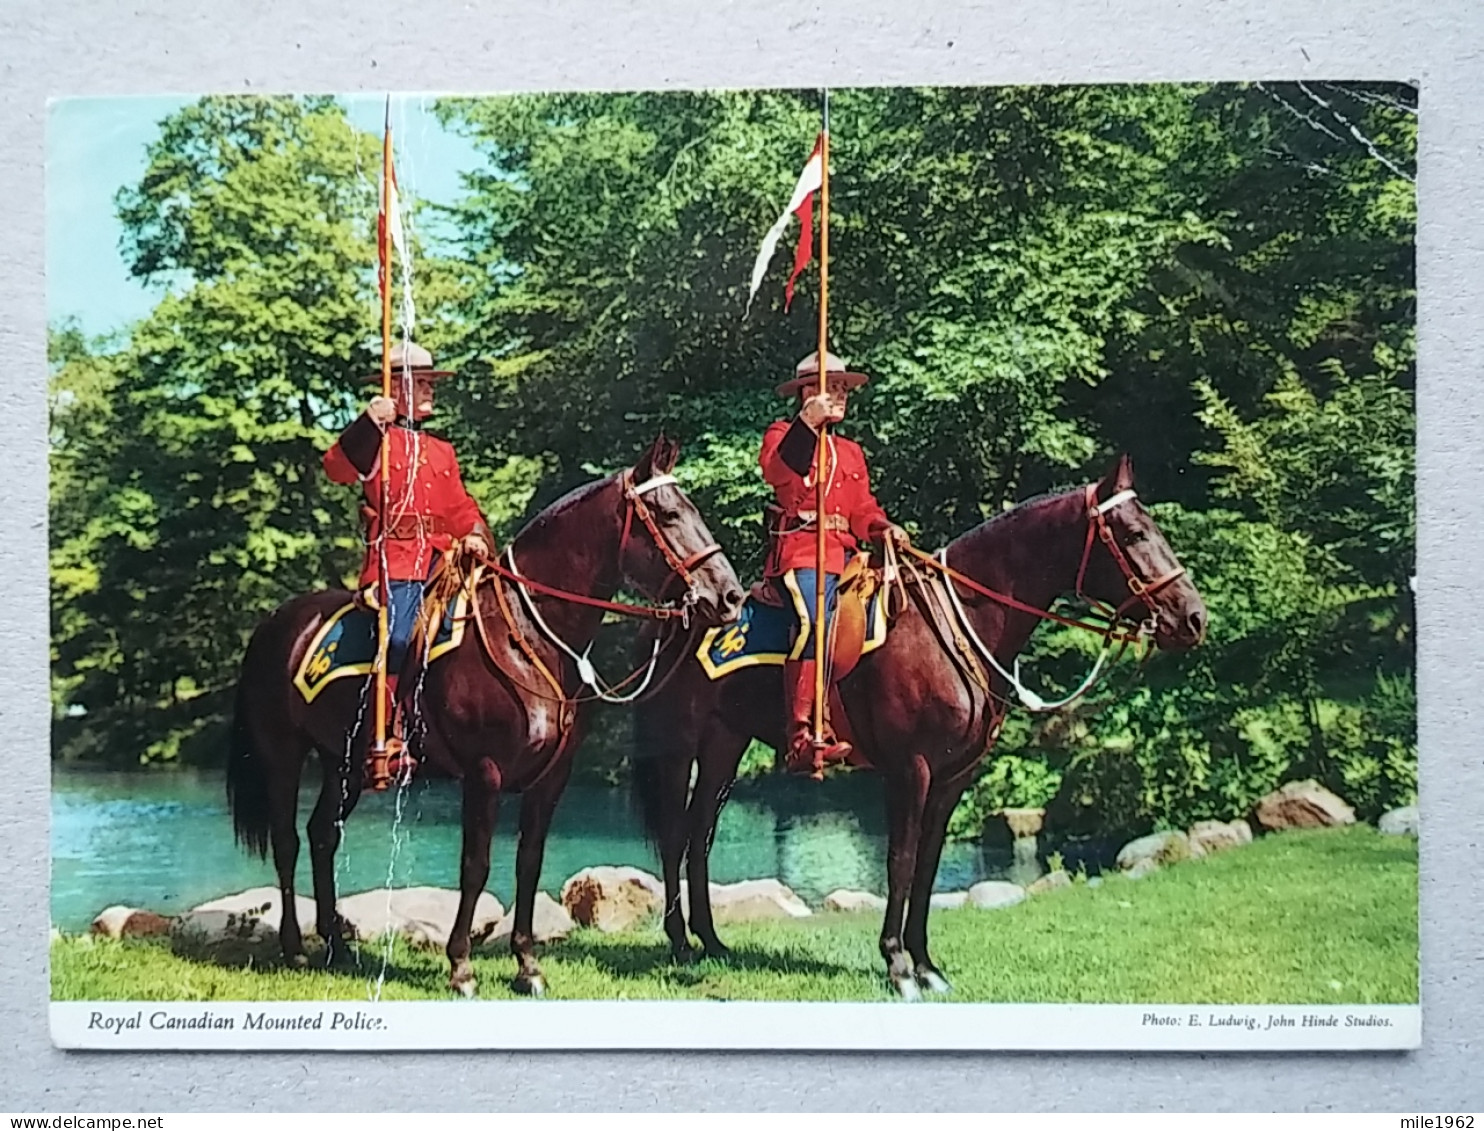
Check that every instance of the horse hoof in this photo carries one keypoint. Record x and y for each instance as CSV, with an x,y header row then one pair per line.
x,y
718,950
338,956
531,985
933,982
684,955
907,988
467,988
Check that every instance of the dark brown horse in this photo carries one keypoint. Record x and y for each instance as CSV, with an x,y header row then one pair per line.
x,y
487,713
925,707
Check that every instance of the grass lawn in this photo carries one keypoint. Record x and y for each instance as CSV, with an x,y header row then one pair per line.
x,y
1324,917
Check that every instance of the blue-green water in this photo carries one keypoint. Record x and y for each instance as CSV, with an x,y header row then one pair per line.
x,y
163,841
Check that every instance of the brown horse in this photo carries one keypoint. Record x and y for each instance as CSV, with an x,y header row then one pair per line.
x,y
489,714
925,707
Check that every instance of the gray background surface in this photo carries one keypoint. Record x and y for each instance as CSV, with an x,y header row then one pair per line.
x,y
56,49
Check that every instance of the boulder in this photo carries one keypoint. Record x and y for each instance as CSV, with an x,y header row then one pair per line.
x,y
1050,882
231,938
119,922
264,903
1400,822
549,922
1302,805
846,900
994,893
1142,868
947,900
1207,837
752,900
612,899
1162,848
422,915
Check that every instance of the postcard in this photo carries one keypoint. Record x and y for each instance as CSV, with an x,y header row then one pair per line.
x,y
863,568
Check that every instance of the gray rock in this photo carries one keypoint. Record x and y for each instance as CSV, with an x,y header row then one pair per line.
x,y
549,922
423,916
612,898
1218,836
846,900
119,922
947,900
1303,805
1162,848
994,893
1400,822
753,900
229,938
1147,866
1050,882
264,903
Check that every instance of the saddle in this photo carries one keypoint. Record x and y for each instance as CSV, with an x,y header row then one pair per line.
x,y
857,586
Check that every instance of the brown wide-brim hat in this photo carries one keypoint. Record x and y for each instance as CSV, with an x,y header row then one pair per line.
x,y
411,356
807,373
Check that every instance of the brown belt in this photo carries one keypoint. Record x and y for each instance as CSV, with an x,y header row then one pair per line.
x,y
417,527
806,522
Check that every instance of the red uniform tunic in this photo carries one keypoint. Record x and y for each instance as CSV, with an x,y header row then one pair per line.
x,y
429,506
847,494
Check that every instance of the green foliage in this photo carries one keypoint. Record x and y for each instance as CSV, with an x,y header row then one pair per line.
x,y
1036,278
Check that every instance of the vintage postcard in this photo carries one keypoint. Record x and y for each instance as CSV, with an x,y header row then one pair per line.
x,y
867,568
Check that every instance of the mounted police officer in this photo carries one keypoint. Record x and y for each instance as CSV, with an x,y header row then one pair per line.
x,y
428,509
852,516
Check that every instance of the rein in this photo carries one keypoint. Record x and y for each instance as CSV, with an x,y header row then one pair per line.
x,y
679,567
1139,590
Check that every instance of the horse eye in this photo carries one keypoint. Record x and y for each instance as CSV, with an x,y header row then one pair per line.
x,y
1136,537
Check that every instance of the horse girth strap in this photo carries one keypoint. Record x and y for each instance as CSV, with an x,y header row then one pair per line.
x,y
565,713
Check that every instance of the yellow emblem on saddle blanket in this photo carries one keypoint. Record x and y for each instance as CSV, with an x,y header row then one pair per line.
x,y
345,645
761,634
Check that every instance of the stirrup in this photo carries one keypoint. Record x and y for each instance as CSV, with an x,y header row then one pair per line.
x,y
389,764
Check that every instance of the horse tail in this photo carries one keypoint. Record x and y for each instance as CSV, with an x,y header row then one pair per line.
x,y
650,765
247,784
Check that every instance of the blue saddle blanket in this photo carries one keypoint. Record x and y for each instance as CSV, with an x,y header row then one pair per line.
x,y
761,636
345,645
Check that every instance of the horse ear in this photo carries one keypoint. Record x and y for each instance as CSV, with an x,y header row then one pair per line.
x,y
1119,478
658,460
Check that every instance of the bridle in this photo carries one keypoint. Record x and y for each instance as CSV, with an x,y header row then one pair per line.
x,y
1139,589
679,567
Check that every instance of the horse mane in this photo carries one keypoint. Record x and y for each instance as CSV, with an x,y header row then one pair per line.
x,y
562,503
1004,522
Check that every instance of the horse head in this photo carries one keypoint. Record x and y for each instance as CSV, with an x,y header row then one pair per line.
x,y
1128,566
678,553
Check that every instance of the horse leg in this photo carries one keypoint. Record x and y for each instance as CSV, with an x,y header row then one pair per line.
x,y
906,794
668,782
283,801
481,803
338,796
536,809
720,752
940,802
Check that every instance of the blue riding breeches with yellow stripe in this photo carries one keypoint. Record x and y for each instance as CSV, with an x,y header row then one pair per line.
x,y
799,585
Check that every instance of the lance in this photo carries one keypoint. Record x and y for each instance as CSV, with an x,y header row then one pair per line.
x,y
821,454
383,587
